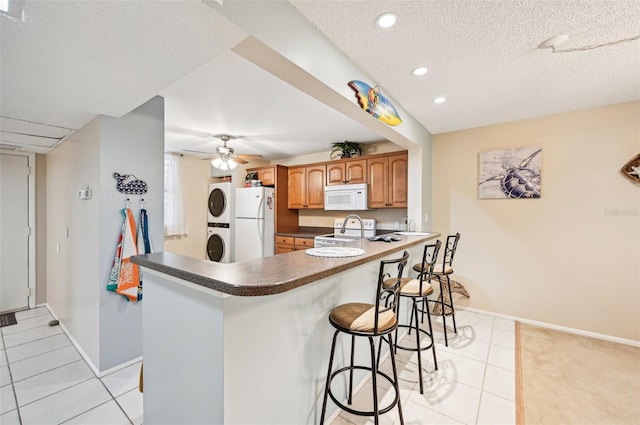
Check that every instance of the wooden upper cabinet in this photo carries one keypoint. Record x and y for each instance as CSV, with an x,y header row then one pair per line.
x,y
267,176
306,187
398,180
378,194
315,186
297,187
344,172
388,181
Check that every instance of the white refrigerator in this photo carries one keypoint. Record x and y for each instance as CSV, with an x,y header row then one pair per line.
x,y
255,223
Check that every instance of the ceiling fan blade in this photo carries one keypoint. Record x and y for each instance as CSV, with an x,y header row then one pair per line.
x,y
240,155
239,160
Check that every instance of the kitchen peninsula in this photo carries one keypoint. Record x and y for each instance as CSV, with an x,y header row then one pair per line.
x,y
248,342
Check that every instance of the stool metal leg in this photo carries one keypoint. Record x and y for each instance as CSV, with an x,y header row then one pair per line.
x,y
453,311
395,378
326,387
349,396
433,344
415,310
374,378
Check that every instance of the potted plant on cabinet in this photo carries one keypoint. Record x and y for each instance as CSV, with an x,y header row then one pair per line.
x,y
345,150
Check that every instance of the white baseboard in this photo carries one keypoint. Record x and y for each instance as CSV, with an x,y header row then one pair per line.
x,y
84,355
575,331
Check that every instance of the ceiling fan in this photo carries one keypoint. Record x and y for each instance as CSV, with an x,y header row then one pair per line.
x,y
225,158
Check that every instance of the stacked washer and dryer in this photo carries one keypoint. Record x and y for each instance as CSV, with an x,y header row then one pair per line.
x,y
220,236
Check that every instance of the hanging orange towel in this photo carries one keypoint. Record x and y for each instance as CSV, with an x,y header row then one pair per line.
x,y
129,277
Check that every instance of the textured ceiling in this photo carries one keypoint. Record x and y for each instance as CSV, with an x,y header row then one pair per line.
x,y
483,57
67,61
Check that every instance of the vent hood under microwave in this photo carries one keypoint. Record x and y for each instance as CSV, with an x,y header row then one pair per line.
x,y
352,197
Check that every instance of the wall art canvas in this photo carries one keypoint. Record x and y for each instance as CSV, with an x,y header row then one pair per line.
x,y
510,173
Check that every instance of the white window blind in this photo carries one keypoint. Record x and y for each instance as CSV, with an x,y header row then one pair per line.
x,y
174,223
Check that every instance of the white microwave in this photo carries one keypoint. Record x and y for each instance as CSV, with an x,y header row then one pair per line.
x,y
345,197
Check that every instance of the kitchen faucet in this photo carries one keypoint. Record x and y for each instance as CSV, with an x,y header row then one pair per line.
x,y
344,224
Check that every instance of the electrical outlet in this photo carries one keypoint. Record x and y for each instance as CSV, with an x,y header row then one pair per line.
x,y
396,225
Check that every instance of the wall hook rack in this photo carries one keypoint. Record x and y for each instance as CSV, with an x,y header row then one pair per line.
x,y
129,187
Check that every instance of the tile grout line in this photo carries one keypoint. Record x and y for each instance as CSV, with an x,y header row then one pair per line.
x,y
114,398
13,387
48,370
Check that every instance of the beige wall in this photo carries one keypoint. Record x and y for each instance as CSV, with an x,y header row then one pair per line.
x,y
41,229
195,180
571,258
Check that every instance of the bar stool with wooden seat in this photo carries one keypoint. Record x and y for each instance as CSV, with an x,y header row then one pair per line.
x,y
369,320
417,290
441,271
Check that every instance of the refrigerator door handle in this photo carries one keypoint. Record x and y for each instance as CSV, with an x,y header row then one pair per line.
x,y
260,205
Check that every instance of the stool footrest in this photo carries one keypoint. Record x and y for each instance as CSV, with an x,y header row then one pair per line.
x,y
365,412
414,348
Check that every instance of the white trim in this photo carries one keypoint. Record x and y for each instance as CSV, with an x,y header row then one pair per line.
x,y
81,351
120,366
575,331
73,341
32,227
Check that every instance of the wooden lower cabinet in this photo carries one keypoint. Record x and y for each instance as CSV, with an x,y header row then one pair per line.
x,y
290,243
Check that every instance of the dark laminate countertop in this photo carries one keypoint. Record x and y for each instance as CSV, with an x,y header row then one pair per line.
x,y
307,232
269,275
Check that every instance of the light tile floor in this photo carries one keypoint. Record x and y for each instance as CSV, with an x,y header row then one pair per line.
x,y
474,383
45,380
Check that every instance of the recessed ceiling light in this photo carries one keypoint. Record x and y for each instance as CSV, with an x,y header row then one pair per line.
x,y
439,100
420,70
386,20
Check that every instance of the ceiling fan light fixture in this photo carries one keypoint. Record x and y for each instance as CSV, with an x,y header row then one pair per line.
x,y
216,162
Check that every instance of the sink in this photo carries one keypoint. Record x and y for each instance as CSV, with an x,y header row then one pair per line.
x,y
334,251
413,233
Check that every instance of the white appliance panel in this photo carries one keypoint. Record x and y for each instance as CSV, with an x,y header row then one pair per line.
x,y
254,223
219,245
220,203
250,201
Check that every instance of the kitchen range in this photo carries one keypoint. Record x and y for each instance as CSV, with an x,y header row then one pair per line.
x,y
352,231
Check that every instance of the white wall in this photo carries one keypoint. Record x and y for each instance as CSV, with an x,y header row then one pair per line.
x,y
133,144
107,328
571,258
72,229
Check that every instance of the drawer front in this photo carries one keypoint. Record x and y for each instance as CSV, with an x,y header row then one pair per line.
x,y
285,240
304,243
281,249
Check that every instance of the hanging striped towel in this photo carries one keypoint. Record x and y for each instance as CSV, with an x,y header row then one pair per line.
x,y
144,243
128,276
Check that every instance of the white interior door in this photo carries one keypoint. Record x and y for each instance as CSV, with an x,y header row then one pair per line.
x,y
14,232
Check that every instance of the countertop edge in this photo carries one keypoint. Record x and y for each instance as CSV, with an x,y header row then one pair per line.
x,y
228,277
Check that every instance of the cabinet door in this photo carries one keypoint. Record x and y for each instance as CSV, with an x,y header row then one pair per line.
x,y
355,171
297,188
268,176
315,186
335,174
398,166
281,249
378,169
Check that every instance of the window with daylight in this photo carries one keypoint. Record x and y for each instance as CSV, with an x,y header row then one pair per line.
x,y
174,223
4,5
